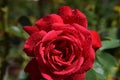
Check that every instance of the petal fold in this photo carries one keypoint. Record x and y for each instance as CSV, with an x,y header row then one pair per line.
x,y
32,41
30,29
51,35
70,16
88,63
65,12
96,42
79,18
33,69
45,22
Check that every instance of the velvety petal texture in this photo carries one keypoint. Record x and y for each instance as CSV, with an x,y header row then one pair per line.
x,y
33,69
72,16
61,46
32,41
45,22
96,40
30,29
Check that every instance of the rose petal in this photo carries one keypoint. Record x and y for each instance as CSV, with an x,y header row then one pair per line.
x,y
88,62
46,76
61,62
84,34
95,40
33,69
72,69
42,54
51,35
30,29
88,52
72,16
66,28
81,29
44,70
32,41
65,12
53,18
46,21
59,26
56,52
79,18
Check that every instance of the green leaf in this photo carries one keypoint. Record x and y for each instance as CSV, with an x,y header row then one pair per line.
x,y
13,30
91,75
96,73
98,69
110,44
106,60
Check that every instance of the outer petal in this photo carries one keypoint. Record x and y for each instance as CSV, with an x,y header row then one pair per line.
x,y
81,29
33,69
95,40
65,12
79,18
84,31
30,29
31,42
46,21
88,53
88,62
72,16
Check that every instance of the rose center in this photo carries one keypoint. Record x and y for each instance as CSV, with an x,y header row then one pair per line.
x,y
63,47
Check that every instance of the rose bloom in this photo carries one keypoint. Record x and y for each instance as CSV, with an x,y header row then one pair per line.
x,y
61,46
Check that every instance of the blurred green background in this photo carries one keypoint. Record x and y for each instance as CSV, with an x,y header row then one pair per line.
x,y
103,16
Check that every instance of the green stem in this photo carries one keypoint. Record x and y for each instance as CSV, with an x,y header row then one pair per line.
x,y
5,42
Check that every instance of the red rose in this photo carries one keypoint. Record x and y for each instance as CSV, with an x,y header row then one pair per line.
x,y
61,46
